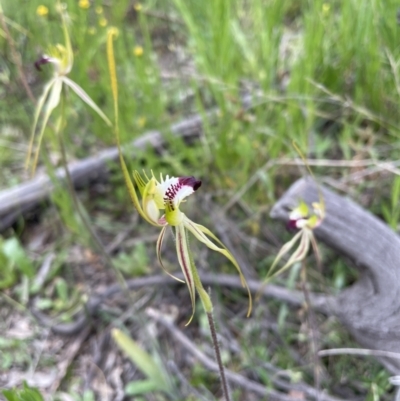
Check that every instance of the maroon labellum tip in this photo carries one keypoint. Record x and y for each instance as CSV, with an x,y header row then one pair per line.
x,y
41,61
191,182
291,225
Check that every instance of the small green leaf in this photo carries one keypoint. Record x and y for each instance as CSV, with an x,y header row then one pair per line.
x,y
141,387
26,394
395,192
142,360
88,395
10,395
62,289
16,255
44,303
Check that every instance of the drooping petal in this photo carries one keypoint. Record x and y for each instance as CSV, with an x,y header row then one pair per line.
x,y
186,264
51,104
299,254
158,248
86,98
201,233
38,110
315,249
282,252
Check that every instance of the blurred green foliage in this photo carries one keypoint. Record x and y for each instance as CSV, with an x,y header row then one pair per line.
x,y
26,394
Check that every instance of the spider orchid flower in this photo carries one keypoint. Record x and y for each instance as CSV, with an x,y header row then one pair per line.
x,y
62,59
160,207
304,220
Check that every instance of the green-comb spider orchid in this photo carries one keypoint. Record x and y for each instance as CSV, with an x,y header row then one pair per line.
x,y
305,220
62,58
160,207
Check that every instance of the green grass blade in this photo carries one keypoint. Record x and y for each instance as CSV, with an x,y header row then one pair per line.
x,y
142,360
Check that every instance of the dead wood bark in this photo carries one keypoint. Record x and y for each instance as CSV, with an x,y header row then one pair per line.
x,y
26,196
369,309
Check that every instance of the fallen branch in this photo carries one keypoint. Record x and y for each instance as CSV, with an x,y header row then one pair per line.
x,y
26,196
295,298
358,351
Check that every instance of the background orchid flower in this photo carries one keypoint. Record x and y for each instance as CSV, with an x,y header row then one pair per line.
x,y
62,59
305,220
160,207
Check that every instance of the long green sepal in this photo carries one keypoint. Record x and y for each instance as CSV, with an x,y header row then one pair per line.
x,y
38,110
86,98
114,89
186,265
158,249
201,232
52,103
67,39
282,252
298,255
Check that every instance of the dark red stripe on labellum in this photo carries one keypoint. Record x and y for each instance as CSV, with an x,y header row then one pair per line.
x,y
173,189
191,182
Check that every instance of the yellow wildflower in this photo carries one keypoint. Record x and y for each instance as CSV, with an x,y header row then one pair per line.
x,y
114,31
99,10
42,11
138,51
92,30
137,7
141,122
84,4
103,22
325,8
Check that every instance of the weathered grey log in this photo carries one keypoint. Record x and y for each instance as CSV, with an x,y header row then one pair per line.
x,y
26,196
369,309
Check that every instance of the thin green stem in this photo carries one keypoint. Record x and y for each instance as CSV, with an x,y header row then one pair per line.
x,y
224,382
313,331
71,189
208,307
78,206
